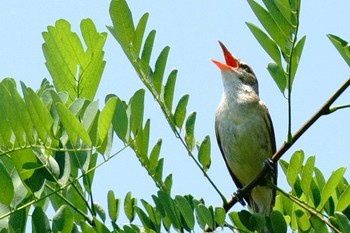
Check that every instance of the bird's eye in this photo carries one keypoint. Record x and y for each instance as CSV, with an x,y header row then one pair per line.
x,y
246,68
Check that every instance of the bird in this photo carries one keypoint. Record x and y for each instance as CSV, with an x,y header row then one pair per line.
x,y
244,131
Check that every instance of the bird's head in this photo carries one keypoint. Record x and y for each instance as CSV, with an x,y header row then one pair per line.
x,y
236,74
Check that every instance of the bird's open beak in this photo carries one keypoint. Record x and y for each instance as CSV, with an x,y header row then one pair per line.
x,y
231,62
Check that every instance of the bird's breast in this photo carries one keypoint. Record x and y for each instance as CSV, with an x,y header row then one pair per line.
x,y
244,137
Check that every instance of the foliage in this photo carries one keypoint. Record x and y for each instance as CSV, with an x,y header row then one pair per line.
x,y
50,138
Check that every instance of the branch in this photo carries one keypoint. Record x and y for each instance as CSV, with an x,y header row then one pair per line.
x,y
324,110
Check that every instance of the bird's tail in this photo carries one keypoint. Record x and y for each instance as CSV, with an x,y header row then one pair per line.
x,y
261,200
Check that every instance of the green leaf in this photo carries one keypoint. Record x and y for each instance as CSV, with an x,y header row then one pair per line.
x,y
35,183
306,175
278,75
57,98
100,227
296,57
22,157
158,74
220,215
17,113
92,70
278,223
17,221
161,210
316,192
128,229
112,206
204,153
204,217
146,53
129,206
285,9
258,221
6,186
146,223
241,220
123,26
120,121
245,217
74,70
159,170
77,106
168,182
294,167
105,118
89,177
40,116
153,158
86,228
344,222
186,212
268,45
72,125
100,211
279,18
21,190
319,178
342,46
189,130
75,195
170,209
270,26
90,119
318,225
169,90
303,221
180,111
142,143
50,169
63,50
138,36
330,186
40,222
5,127
63,220
136,110
64,163
344,200
153,216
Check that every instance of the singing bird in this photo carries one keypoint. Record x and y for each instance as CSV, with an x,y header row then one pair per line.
x,y
244,131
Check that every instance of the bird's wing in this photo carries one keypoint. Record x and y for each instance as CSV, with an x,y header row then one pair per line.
x,y
269,124
234,178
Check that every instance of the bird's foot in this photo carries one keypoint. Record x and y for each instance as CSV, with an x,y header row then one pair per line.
x,y
270,165
239,197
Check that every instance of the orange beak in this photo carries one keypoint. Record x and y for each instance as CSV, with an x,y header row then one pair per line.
x,y
231,62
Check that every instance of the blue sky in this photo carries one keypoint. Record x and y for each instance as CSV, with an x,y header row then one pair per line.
x,y
191,29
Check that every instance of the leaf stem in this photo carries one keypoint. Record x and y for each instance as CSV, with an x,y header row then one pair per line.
x,y
289,73
335,108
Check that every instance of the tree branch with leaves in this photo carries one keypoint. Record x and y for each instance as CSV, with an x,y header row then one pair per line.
x,y
51,138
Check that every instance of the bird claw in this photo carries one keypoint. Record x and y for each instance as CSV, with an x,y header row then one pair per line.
x,y
270,165
239,197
